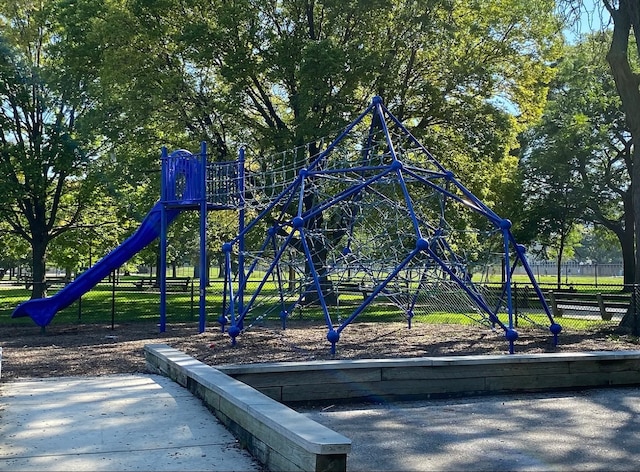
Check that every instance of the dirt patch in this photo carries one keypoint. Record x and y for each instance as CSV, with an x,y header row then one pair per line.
x,y
98,350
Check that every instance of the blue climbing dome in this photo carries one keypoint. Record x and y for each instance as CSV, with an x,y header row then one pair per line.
x,y
370,212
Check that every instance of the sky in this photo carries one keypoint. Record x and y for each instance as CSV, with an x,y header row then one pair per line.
x,y
592,17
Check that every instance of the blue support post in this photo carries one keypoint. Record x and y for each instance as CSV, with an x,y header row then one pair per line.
x,y
511,334
241,242
204,270
162,269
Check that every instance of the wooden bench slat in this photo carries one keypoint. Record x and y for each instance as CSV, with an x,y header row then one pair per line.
x,y
605,304
182,283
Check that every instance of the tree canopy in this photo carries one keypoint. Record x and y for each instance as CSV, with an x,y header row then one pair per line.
x,y
577,159
111,81
46,148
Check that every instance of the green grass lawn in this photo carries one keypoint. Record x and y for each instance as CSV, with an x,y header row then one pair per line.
x,y
613,283
126,304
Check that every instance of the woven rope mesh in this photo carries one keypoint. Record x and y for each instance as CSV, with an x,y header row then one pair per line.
x,y
370,221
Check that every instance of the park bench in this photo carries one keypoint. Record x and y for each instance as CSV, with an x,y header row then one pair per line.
x,y
344,288
172,283
605,304
51,281
179,283
349,288
144,283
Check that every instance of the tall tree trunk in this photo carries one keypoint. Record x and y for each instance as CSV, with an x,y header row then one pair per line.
x,y
628,259
38,264
625,232
627,239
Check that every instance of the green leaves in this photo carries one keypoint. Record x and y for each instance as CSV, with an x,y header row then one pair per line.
x,y
129,77
45,151
576,160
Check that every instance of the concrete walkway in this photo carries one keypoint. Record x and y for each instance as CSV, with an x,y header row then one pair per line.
x,y
592,430
148,422
119,423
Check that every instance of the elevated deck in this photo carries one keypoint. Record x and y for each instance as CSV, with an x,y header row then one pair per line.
x,y
185,180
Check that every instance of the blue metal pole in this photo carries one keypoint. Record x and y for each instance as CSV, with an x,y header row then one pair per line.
x,y
204,270
511,333
162,270
241,242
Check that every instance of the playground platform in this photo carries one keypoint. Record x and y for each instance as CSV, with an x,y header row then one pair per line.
x,y
149,422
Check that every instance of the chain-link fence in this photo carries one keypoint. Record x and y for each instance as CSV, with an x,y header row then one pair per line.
x,y
118,300
582,306
577,307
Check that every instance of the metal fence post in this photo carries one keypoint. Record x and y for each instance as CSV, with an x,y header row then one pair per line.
x,y
515,302
634,307
113,299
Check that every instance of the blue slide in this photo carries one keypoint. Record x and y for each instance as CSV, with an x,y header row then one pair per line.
x,y
43,310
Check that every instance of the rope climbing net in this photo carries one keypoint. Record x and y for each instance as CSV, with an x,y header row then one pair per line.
x,y
368,218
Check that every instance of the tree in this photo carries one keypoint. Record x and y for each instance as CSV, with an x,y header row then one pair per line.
x,y
555,202
46,152
623,57
280,74
623,61
275,75
447,69
584,130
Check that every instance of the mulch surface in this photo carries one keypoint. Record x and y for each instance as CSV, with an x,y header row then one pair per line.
x,y
64,350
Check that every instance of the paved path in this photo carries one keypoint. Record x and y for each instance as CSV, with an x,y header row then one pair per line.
x,y
148,422
593,430
119,423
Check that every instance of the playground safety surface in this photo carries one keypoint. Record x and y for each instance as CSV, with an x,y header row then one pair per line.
x,y
94,349
147,422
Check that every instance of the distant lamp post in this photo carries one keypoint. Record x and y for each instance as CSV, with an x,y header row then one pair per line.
x,y
595,271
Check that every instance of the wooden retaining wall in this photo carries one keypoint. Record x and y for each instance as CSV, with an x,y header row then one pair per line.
x,y
437,377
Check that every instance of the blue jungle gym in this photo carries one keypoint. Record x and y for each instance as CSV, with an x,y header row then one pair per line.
x,y
372,211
